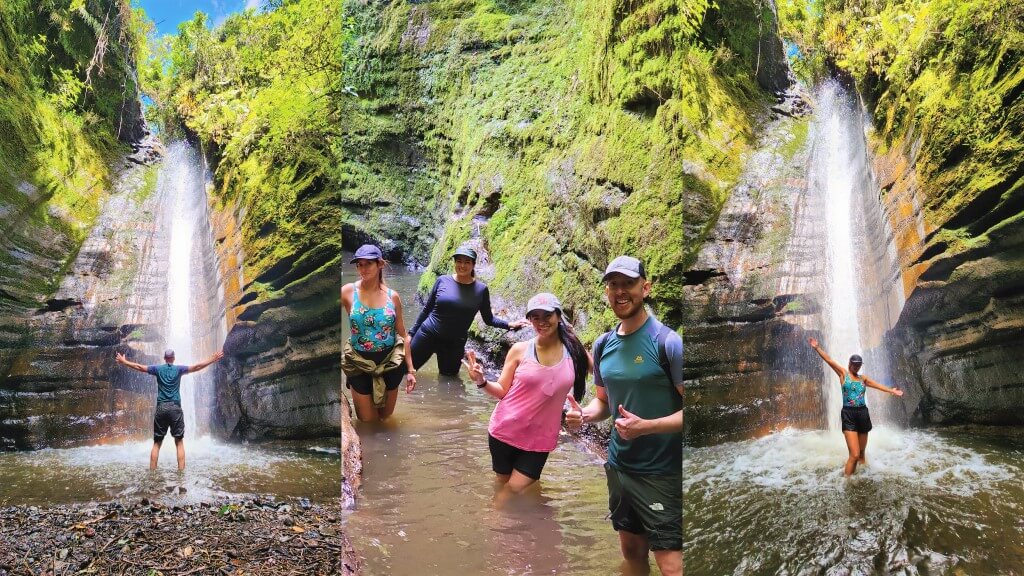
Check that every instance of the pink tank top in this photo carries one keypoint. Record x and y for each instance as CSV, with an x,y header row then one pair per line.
x,y
529,417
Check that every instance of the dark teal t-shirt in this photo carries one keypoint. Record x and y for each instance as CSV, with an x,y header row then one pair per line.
x,y
168,381
631,376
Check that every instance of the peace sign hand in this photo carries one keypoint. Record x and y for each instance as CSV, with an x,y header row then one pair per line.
x,y
475,369
628,425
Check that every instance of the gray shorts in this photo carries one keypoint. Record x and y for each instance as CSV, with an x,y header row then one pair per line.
x,y
168,415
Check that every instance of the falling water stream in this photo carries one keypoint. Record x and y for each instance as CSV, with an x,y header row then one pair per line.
x,y
927,502
190,243
426,502
194,328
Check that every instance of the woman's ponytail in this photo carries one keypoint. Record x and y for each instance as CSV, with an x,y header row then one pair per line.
x,y
580,360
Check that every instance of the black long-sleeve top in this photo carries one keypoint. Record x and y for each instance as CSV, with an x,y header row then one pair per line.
x,y
451,307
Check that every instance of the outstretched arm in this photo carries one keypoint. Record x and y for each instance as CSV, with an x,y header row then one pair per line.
x,y
828,360
491,320
872,384
197,367
128,363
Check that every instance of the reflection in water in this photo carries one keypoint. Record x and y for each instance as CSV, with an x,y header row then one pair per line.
x,y
426,505
927,502
101,473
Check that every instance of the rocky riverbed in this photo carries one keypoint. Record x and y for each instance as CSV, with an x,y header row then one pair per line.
x,y
257,535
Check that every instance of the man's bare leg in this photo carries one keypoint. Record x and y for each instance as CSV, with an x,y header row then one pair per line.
x,y
154,454
670,562
634,552
179,445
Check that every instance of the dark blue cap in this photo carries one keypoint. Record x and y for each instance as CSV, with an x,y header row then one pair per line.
x,y
856,359
367,252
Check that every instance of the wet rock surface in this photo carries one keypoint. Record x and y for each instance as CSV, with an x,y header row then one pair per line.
x,y
959,334
281,380
752,292
260,535
59,385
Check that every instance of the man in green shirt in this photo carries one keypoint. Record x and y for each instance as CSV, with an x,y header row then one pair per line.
x,y
168,401
638,369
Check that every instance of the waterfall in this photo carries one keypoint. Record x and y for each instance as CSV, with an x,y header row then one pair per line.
x,y
860,290
194,315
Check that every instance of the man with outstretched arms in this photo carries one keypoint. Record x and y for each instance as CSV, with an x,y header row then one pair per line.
x,y
168,401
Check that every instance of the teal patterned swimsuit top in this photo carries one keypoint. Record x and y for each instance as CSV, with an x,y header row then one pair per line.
x,y
373,329
853,392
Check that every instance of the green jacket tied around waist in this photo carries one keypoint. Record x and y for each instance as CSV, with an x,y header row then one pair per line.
x,y
354,364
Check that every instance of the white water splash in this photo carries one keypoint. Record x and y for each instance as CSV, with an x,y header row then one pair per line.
x,y
812,460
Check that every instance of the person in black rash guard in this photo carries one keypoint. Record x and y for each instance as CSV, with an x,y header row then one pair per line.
x,y
443,324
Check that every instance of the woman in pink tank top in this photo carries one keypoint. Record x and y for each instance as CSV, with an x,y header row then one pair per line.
x,y
537,377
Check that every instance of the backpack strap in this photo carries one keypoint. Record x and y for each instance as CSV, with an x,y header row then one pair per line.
x,y
662,335
598,349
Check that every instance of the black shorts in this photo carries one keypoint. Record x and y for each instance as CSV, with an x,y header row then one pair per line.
x,y
856,419
363,383
648,504
505,458
168,415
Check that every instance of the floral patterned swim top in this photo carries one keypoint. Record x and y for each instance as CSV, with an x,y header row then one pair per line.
x,y
853,392
373,329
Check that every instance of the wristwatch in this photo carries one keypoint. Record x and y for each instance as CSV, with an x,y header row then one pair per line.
x,y
482,385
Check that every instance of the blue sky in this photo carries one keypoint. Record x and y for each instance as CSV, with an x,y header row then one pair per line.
x,y
167,14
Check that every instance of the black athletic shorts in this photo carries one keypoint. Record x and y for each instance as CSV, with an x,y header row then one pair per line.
x,y
505,458
363,383
648,504
168,415
856,419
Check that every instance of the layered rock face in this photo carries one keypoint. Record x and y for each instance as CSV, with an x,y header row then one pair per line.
x,y
280,379
940,269
950,118
754,289
62,387
961,330
264,110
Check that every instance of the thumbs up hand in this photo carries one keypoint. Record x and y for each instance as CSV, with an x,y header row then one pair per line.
x,y
574,417
629,425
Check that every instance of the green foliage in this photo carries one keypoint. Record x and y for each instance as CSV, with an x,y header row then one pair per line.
x,y
64,85
948,74
800,24
575,127
262,93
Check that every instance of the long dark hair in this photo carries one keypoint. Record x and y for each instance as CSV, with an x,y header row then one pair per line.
x,y
580,360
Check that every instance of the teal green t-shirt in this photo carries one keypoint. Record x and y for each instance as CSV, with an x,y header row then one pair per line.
x,y
168,381
632,377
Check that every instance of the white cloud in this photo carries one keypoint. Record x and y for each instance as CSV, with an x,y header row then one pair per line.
x,y
254,4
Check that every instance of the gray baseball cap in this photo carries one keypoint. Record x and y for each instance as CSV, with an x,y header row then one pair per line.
x,y
367,252
626,265
544,301
168,353
465,251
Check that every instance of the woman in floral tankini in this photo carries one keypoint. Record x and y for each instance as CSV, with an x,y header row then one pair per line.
x,y
375,317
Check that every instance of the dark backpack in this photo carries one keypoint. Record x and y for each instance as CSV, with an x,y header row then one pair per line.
x,y
663,332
